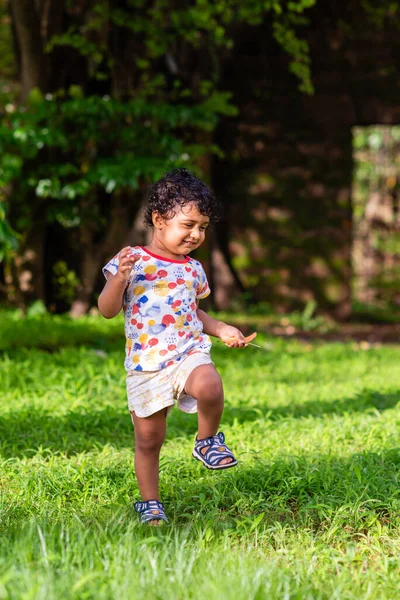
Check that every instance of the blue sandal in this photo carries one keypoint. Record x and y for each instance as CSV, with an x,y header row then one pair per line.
x,y
151,510
216,451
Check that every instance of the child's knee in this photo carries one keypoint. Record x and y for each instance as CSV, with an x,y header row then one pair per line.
x,y
149,443
210,390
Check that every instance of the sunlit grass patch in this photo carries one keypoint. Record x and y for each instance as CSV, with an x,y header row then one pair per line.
x,y
312,511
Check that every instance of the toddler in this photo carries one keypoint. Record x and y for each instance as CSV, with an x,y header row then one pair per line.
x,y
167,355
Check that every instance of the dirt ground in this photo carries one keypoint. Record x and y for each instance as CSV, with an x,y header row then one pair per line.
x,y
369,333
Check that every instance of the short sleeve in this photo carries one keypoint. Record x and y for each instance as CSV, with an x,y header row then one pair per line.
x,y
111,266
203,289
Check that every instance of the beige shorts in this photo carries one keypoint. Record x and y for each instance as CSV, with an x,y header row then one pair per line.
x,y
151,391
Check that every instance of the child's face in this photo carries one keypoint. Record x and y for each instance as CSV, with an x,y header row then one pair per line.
x,y
184,232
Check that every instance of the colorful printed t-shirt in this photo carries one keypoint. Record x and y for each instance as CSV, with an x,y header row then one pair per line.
x,y
161,322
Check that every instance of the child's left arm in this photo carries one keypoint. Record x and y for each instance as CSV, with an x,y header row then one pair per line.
x,y
231,336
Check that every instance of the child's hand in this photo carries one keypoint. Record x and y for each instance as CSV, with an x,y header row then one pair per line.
x,y
232,337
126,263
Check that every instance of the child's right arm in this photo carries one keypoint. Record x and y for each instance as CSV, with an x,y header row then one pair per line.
x,y
111,298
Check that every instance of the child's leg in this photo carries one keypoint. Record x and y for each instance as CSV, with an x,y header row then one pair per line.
x,y
149,437
204,383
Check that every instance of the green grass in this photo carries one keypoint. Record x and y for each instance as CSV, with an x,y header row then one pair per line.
x,y
311,512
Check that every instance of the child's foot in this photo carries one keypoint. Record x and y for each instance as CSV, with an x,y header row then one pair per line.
x,y
214,453
151,512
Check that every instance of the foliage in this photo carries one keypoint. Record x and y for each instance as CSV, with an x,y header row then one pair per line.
x,y
149,92
377,211
308,320
8,237
66,281
67,147
64,148
373,313
312,511
254,315
202,25
51,332
380,12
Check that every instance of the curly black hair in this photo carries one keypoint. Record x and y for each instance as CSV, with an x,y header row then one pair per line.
x,y
179,188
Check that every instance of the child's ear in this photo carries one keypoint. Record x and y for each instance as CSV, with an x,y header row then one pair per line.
x,y
158,220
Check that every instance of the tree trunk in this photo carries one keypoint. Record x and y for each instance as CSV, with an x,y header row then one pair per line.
x,y
91,263
27,26
223,278
26,273
94,255
225,286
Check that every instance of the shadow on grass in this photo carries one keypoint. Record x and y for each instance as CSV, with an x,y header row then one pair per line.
x,y
368,401
315,493
337,498
23,433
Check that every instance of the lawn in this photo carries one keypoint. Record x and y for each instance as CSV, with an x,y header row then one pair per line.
x,y
311,512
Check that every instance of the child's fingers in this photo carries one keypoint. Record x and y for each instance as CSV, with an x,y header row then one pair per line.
x,y
129,260
234,344
241,342
245,341
128,253
124,252
126,264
